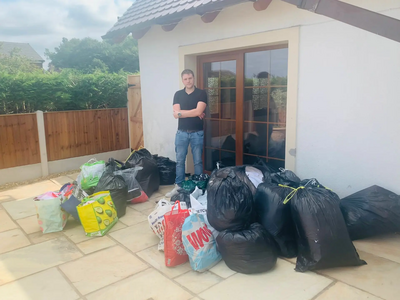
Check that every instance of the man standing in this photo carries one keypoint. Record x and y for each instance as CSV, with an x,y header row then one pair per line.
x,y
189,105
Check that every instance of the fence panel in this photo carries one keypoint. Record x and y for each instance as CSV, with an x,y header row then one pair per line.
x,y
19,140
78,133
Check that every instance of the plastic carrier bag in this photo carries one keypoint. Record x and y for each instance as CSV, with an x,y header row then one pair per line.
x,y
174,250
97,214
51,217
91,173
199,243
135,191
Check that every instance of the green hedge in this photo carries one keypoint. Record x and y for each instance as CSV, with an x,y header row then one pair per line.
x,y
67,90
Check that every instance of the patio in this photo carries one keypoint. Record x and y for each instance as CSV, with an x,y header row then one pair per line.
x,y
126,263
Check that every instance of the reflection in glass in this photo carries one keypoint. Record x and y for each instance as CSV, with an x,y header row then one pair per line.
x,y
276,143
228,158
278,103
212,134
228,104
255,138
279,65
211,156
228,73
257,66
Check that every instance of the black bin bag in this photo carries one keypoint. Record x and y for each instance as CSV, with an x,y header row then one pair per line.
x,y
182,196
285,177
166,169
248,251
117,187
276,217
370,212
230,203
148,177
322,236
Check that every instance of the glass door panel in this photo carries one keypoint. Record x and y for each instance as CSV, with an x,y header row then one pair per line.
x,y
219,81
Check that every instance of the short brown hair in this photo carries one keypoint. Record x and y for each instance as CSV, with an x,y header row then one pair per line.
x,y
187,72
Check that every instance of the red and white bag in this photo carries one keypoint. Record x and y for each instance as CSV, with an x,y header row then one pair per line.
x,y
174,250
156,220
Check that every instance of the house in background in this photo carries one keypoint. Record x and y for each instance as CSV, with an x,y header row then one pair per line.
x,y
295,88
24,50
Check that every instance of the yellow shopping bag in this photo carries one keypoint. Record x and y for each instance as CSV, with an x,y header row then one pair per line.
x,y
97,214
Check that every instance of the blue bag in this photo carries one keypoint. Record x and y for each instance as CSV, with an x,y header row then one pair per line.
x,y
199,243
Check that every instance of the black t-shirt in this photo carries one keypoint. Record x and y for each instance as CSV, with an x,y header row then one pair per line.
x,y
189,102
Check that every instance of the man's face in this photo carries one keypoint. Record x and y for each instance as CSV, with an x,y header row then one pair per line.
x,y
188,80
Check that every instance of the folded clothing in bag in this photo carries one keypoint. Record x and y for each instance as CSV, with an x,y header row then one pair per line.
x,y
97,214
370,212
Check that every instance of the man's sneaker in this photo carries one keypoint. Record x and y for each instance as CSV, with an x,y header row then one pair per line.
x,y
173,192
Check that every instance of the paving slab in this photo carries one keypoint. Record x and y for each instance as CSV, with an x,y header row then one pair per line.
x,y
29,224
380,277
6,223
32,259
387,246
143,206
39,237
136,237
222,270
157,260
343,291
20,209
62,180
28,191
97,270
281,283
49,284
12,240
132,217
95,244
145,285
198,282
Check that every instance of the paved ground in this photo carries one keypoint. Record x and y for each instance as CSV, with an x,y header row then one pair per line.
x,y
125,264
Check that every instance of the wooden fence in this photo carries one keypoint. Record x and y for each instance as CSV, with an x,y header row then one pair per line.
x,y
78,133
68,134
19,140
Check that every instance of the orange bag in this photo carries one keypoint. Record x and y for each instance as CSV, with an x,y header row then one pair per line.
x,y
174,250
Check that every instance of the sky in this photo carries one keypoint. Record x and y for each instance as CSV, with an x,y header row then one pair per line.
x,y
43,23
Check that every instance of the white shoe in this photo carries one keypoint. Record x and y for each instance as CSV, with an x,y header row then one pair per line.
x,y
173,192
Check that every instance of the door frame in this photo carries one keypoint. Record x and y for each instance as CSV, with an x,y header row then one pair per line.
x,y
239,57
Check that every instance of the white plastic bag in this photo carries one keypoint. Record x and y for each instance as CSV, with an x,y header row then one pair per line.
x,y
51,217
199,243
255,175
198,203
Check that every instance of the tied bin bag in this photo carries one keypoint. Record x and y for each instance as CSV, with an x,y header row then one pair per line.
x,y
230,203
276,217
148,177
174,250
322,236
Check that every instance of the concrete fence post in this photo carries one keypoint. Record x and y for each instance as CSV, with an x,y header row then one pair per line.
x,y
42,143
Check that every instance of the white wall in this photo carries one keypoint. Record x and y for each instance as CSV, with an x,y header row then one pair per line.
x,y
348,96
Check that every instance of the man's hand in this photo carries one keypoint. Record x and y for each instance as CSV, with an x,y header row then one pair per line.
x,y
202,116
176,114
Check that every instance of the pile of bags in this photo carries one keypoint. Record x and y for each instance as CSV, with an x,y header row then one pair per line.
x,y
99,196
250,215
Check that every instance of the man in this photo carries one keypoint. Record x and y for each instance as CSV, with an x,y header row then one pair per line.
x,y
188,106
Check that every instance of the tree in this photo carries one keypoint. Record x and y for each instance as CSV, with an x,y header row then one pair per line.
x,y
15,63
89,55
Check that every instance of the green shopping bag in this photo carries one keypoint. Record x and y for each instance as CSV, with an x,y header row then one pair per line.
x,y
91,173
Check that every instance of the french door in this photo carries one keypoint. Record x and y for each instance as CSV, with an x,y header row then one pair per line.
x,y
246,112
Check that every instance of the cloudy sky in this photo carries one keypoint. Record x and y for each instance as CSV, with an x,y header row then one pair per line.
x,y
43,23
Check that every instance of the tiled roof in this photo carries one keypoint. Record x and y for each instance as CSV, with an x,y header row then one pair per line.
x,y
25,50
144,13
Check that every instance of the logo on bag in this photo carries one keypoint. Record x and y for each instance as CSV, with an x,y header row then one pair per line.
x,y
197,238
